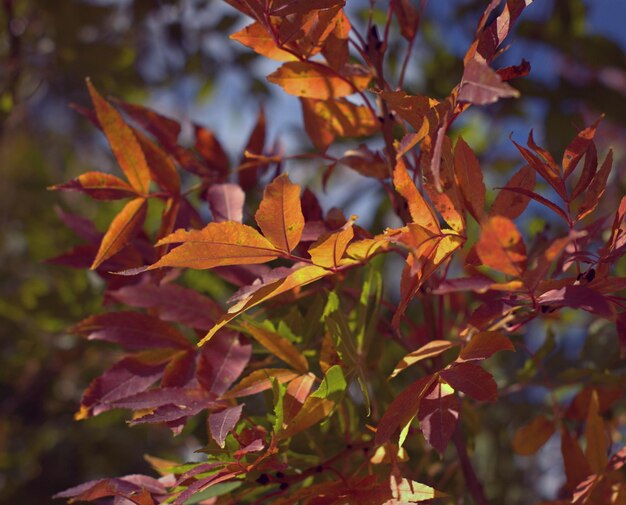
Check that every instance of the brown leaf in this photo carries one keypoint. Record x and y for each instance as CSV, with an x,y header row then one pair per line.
x,y
578,147
330,248
259,381
421,212
509,204
211,150
597,438
596,188
280,213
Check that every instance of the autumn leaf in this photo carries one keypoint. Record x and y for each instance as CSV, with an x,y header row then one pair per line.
x,y
123,142
314,80
279,346
500,246
217,244
510,204
421,212
259,381
597,437
259,39
470,178
280,213
313,411
209,147
330,248
578,147
471,380
429,350
300,277
481,85
438,414
223,422
162,168
99,186
226,202
529,438
596,188
121,230
484,345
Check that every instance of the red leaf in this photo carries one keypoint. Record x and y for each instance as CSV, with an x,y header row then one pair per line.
x,y
256,142
471,380
596,188
501,247
222,360
211,150
438,415
546,168
578,147
484,345
223,422
538,198
131,330
578,297
402,409
481,85
162,168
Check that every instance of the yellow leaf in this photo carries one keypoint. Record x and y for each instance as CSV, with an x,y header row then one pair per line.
x,y
280,213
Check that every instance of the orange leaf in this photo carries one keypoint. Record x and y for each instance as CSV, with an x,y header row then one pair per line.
x,y
260,380
532,436
576,465
335,48
329,249
313,411
257,38
121,230
470,178
326,119
419,111
421,212
429,350
280,213
298,278
122,141
501,247
217,244
99,186
314,80
279,346
485,344
596,435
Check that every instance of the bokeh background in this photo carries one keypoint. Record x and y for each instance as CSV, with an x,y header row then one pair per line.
x,y
175,56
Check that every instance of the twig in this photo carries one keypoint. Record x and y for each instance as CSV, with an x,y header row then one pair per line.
x,y
474,486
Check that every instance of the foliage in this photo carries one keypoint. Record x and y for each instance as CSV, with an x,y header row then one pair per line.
x,y
296,378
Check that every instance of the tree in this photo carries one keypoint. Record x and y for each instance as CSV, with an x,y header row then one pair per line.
x,y
277,322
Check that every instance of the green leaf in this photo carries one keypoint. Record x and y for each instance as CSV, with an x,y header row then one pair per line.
x,y
333,386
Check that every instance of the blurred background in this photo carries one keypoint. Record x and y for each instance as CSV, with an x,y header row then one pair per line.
x,y
175,56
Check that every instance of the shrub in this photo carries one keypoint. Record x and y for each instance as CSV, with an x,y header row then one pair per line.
x,y
280,323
